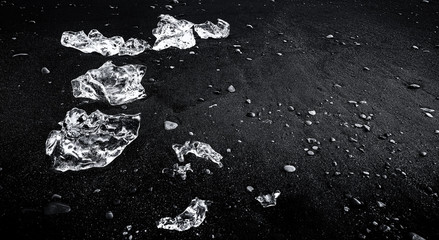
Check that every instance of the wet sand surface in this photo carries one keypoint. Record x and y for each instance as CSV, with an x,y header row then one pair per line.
x,y
287,60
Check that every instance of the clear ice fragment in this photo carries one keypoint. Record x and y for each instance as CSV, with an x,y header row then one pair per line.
x,y
87,141
178,170
56,208
171,32
112,84
193,216
210,30
200,149
96,42
268,200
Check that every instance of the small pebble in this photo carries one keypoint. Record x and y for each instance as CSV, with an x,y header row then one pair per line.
x,y
250,188
248,101
44,70
290,108
231,89
310,153
289,168
423,154
381,204
308,122
414,86
330,36
109,215
366,69
251,114
312,112
170,125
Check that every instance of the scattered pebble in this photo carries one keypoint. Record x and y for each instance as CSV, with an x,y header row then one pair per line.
x,y
381,204
312,112
423,154
414,86
308,122
330,36
310,153
290,108
170,125
289,168
231,89
248,101
366,69
109,215
44,70
250,188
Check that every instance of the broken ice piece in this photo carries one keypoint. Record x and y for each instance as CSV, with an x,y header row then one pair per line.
x,y
268,200
133,46
210,30
87,141
200,149
193,216
112,84
178,170
171,32
96,42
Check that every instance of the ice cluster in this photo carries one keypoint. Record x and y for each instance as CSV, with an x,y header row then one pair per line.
x,y
112,84
96,42
178,170
193,216
199,149
87,141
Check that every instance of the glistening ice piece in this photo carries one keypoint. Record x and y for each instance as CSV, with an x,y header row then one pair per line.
x,y
96,42
210,30
193,216
200,149
178,170
268,200
171,32
112,84
87,141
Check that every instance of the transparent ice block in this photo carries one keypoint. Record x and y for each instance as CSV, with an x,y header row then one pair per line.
x,y
193,216
96,42
200,149
112,84
171,32
210,30
87,141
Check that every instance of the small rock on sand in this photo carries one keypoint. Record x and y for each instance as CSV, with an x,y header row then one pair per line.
x,y
170,125
289,168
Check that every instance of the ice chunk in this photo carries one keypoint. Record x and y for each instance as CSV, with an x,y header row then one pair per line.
x,y
96,42
112,84
268,200
171,32
200,149
193,216
87,141
210,30
178,170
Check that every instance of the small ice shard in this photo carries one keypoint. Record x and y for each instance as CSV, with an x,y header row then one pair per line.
x,y
193,216
200,149
171,32
112,84
56,208
87,141
178,170
210,30
96,42
268,200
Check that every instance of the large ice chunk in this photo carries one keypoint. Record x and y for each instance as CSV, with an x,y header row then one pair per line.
x,y
268,200
178,170
200,149
193,216
171,32
210,30
112,84
96,42
87,141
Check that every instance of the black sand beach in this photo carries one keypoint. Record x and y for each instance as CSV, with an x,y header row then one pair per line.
x,y
378,49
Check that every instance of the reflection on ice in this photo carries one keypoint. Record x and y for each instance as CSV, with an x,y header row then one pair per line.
x,y
96,42
268,200
112,84
210,30
200,149
193,216
171,32
178,170
87,141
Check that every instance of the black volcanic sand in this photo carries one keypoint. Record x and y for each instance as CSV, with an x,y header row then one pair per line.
x,y
312,73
